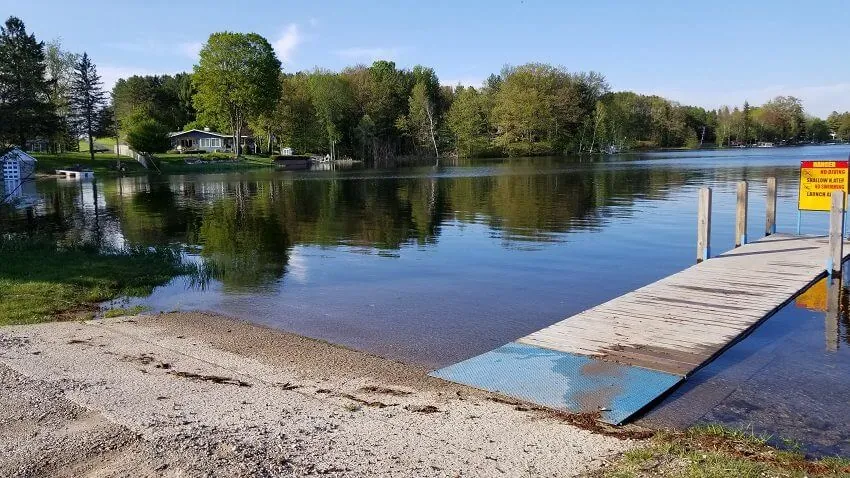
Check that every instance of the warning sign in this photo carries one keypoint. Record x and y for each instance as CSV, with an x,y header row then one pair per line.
x,y
818,179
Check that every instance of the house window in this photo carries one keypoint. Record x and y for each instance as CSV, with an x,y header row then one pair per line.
x,y
210,142
186,143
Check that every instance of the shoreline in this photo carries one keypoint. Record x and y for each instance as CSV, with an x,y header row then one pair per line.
x,y
200,393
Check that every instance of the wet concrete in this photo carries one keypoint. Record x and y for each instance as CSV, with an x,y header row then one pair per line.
x,y
789,379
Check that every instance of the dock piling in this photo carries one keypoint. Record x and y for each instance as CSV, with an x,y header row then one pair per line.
x,y
770,220
833,313
836,228
704,225
741,215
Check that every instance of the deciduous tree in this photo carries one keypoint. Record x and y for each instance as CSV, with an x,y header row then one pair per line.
x,y
236,78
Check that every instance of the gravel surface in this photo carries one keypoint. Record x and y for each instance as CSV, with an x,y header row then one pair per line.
x,y
200,395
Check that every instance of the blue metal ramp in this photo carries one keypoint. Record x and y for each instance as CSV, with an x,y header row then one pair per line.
x,y
562,381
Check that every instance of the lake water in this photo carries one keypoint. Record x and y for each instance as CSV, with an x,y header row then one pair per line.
x,y
430,265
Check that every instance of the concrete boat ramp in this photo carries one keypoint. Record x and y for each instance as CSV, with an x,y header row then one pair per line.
x,y
623,355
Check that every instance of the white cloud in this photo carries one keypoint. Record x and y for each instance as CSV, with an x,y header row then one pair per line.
x,y
191,49
368,54
289,39
818,100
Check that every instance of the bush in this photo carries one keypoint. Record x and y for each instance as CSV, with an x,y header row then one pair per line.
x,y
217,156
148,136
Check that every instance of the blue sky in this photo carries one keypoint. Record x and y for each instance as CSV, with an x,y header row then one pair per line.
x,y
707,53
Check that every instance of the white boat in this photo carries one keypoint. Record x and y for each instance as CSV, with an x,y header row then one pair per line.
x,y
765,144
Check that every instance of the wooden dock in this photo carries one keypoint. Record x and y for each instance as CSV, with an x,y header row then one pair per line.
x,y
622,355
681,322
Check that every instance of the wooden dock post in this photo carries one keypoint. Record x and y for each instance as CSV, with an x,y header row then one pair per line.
x,y
741,215
704,225
836,228
833,312
770,220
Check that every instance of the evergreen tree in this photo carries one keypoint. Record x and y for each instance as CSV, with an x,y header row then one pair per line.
x,y
25,109
747,121
87,99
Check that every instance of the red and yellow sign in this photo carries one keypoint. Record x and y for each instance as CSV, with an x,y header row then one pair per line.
x,y
818,179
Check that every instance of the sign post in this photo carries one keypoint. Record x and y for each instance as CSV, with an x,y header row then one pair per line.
x,y
818,179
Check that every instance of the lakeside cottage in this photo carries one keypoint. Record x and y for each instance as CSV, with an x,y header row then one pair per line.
x,y
208,141
17,165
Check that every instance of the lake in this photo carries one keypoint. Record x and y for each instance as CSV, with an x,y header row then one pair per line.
x,y
429,265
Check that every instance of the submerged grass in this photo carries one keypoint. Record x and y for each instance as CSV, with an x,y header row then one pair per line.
x,y
119,312
717,451
42,281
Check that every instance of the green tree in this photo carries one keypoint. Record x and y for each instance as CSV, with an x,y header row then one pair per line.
x,y
419,122
59,68
817,130
333,104
236,79
295,123
87,98
166,99
147,137
746,123
25,108
467,120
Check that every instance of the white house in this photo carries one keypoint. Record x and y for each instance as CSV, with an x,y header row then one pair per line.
x,y
17,165
286,152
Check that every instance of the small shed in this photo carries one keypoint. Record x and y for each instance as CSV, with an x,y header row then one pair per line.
x,y
286,152
17,165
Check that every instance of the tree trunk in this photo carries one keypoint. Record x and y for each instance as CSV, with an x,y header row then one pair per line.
x,y
431,124
91,140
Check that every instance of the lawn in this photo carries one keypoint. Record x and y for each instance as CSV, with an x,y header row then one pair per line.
x,y
168,163
40,281
105,142
103,162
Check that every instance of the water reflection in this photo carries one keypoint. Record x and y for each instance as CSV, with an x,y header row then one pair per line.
x,y
431,265
244,226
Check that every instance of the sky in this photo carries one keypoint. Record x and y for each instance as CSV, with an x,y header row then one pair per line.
x,y
707,53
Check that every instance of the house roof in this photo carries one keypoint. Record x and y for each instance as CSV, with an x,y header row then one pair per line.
x,y
212,133
16,153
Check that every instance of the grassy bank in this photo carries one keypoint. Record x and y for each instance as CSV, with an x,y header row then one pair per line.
x,y
106,163
103,162
716,451
40,281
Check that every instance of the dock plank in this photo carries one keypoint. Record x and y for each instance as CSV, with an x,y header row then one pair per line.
x,y
617,357
696,312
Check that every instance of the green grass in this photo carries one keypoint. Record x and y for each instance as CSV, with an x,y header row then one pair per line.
x,y
719,452
40,281
106,163
103,162
119,312
108,142
174,163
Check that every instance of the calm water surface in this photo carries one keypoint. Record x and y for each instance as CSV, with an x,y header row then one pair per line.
x,y
431,265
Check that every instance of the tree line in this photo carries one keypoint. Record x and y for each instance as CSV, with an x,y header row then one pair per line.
x,y
377,113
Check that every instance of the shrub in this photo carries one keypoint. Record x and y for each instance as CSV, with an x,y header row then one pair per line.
x,y
147,137
217,156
